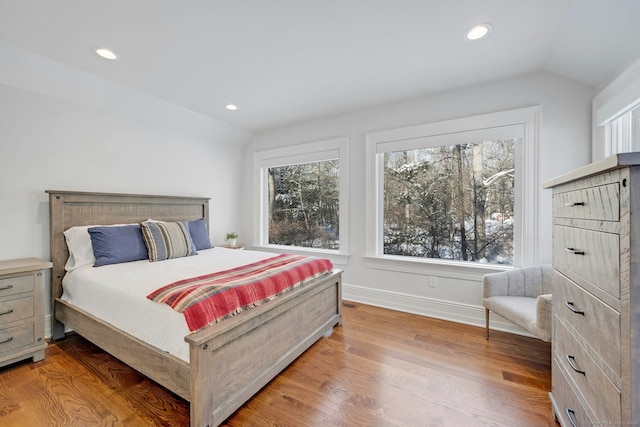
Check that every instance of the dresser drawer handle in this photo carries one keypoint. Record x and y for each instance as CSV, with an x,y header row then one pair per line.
x,y
7,340
571,413
574,251
7,312
572,363
6,287
572,204
569,305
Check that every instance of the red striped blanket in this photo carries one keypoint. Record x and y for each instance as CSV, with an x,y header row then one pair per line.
x,y
211,298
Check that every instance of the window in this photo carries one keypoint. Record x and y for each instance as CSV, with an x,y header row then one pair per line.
x,y
304,204
452,202
302,197
456,191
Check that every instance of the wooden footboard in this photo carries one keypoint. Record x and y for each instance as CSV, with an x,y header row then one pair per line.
x,y
232,364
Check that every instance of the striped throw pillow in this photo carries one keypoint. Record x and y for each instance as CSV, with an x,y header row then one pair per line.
x,y
166,240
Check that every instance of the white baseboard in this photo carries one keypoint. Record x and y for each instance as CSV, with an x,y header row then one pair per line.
x,y
47,326
430,307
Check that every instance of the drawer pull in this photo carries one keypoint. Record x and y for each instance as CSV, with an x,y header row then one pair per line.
x,y
7,312
6,287
572,363
571,413
571,204
7,340
574,251
569,305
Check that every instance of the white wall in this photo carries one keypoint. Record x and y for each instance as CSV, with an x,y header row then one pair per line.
x,y
52,144
565,145
110,140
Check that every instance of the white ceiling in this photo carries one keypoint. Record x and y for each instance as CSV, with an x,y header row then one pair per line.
x,y
284,61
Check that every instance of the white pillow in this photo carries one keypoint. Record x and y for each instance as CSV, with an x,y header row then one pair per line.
x,y
80,247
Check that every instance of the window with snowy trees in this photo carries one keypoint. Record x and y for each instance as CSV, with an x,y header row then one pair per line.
x,y
455,193
304,205
452,202
303,197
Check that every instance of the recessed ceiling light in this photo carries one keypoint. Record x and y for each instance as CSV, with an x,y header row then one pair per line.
x,y
106,53
477,32
232,107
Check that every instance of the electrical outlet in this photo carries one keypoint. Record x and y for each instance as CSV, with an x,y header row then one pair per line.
x,y
432,282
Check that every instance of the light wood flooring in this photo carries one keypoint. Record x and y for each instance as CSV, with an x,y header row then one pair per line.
x,y
381,368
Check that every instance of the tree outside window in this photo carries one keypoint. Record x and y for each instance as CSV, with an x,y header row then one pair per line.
x,y
304,205
451,202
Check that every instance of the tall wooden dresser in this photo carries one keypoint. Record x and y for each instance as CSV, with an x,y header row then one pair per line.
x,y
596,301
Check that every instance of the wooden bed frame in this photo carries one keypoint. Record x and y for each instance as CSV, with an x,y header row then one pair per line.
x,y
229,362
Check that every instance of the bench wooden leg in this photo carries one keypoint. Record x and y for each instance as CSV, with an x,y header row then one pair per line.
x,y
487,321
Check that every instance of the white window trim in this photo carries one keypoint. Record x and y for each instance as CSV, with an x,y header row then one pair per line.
x,y
526,239
621,140
337,148
619,96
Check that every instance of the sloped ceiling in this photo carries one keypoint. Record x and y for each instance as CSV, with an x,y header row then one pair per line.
x,y
284,61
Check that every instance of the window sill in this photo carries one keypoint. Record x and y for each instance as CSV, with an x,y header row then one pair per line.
x,y
431,267
334,256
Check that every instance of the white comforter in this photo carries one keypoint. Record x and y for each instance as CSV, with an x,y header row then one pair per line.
x,y
118,293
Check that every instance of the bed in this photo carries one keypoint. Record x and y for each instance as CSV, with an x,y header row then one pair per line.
x,y
243,352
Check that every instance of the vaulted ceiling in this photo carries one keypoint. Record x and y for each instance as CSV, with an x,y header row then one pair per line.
x,y
284,61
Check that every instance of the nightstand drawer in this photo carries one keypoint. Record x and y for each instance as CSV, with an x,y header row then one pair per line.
x,y
601,394
595,321
16,337
16,285
592,256
599,203
12,310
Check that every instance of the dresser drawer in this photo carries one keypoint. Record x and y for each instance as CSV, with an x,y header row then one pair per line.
x,y
16,285
595,321
15,309
601,394
565,401
592,256
598,203
16,337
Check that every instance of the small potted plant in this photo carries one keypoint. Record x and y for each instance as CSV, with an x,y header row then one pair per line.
x,y
232,238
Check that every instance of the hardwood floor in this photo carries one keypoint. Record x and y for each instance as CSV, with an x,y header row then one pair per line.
x,y
381,368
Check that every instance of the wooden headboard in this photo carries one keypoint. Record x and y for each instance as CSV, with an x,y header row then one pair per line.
x,y
71,208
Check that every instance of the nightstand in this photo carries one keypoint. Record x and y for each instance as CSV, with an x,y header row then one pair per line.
x,y
236,247
22,309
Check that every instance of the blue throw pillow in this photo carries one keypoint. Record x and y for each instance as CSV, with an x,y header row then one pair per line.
x,y
114,245
200,234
